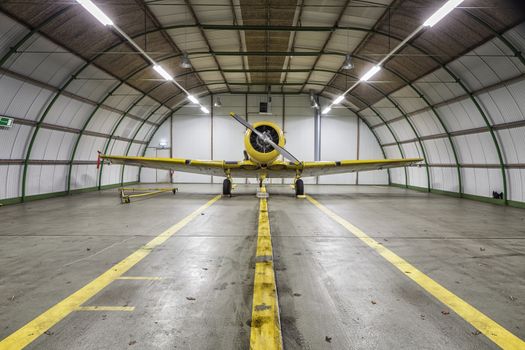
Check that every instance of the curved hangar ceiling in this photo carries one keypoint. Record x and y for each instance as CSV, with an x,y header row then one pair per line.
x,y
452,92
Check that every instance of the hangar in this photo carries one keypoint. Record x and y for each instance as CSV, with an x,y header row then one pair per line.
x,y
262,174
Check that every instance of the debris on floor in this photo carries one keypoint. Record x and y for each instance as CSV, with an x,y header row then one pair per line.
x,y
373,302
445,312
328,339
190,298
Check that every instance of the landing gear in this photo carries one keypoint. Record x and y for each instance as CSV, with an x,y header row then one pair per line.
x,y
227,187
299,187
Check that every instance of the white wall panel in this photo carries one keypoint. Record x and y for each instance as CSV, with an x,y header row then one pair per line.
x,y
516,184
439,151
92,83
69,112
103,121
53,145
13,142
191,139
123,97
426,123
370,149
513,144
88,147
10,180
402,130
444,179
505,104
476,149
417,176
84,176
228,140
397,176
338,142
456,117
127,127
148,175
22,100
384,134
481,182
43,179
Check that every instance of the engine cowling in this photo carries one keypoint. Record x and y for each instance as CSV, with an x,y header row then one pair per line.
x,y
260,151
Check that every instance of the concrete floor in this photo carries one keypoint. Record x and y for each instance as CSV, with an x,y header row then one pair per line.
x,y
329,283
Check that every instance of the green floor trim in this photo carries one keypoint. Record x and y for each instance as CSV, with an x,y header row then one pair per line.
x,y
36,197
473,197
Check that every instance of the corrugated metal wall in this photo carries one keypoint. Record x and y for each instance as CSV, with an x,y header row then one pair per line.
x,y
466,118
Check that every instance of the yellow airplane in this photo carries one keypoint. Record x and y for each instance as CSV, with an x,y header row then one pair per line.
x,y
264,142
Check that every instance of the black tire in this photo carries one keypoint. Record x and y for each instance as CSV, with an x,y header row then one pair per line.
x,y
227,187
299,187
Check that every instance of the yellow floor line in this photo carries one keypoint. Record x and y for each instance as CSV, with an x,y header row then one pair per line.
x,y
105,308
28,333
476,318
140,278
266,327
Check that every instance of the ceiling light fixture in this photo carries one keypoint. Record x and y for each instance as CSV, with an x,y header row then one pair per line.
x,y
442,12
193,99
338,99
348,64
185,61
326,110
205,110
162,72
370,73
96,12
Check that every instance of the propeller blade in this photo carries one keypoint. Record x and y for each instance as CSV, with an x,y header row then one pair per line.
x,y
246,124
284,152
265,138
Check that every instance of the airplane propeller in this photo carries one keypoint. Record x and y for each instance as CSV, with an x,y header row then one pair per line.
x,y
265,138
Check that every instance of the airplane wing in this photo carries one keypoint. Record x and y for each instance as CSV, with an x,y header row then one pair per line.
x,y
278,169
206,167
349,166
316,168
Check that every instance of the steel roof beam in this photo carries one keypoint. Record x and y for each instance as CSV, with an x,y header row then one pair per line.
x,y
196,19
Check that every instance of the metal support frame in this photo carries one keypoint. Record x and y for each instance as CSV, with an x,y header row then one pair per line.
x,y
196,19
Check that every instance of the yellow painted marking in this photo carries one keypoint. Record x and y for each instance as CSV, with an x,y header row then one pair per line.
x,y
139,278
266,326
476,318
105,308
28,333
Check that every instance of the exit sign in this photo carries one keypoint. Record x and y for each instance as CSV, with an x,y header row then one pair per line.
x,y
6,122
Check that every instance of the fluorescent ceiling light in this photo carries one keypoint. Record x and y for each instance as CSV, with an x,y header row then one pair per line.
x,y
326,110
162,72
204,109
338,99
370,73
193,99
96,12
442,12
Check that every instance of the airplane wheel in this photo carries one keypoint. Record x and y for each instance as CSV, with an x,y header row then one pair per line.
x,y
227,187
299,187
